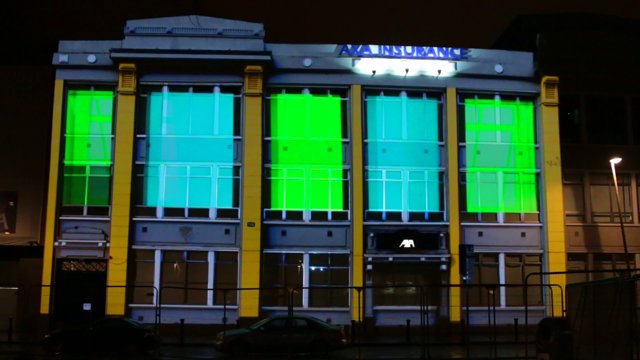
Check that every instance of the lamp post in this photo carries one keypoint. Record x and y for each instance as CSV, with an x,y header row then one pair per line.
x,y
613,162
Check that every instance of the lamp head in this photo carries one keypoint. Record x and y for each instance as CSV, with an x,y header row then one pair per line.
x,y
615,160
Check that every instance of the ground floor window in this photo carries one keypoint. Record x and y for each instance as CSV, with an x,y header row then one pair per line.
x,y
184,277
305,279
498,279
604,265
407,284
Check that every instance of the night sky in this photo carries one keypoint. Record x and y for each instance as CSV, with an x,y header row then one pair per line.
x,y
31,29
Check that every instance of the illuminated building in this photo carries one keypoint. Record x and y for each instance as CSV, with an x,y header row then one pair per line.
x,y
192,157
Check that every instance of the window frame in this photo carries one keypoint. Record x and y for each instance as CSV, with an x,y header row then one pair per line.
x,y
498,217
305,286
85,209
272,170
192,170
404,214
211,291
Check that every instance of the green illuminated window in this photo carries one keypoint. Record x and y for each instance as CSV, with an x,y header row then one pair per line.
x,y
306,170
87,151
500,158
403,157
188,152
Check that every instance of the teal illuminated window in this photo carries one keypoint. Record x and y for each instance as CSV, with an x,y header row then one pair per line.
x,y
306,170
88,138
403,174
186,149
500,163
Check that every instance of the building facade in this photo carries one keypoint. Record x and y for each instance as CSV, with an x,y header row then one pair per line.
x,y
200,171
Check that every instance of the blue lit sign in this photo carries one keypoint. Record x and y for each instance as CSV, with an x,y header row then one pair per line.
x,y
403,52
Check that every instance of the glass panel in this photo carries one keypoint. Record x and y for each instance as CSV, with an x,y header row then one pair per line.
x,y
186,130
328,278
606,118
143,271
226,278
173,278
577,262
281,273
603,198
403,131
570,117
485,272
500,156
87,147
306,149
401,284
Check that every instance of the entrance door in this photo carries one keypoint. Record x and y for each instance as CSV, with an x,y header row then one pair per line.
x,y
80,290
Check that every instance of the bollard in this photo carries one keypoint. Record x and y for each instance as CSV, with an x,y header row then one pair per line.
x,y
10,330
181,331
353,331
515,329
408,333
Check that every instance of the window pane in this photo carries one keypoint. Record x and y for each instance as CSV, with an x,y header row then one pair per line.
x,y
485,272
88,147
190,136
577,262
606,118
226,278
173,278
281,273
403,131
500,156
143,271
328,278
402,284
570,117
306,151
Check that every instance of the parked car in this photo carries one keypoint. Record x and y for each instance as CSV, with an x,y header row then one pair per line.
x,y
296,333
107,335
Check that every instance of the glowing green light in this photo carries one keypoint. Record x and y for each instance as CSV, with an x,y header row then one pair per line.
x,y
500,156
306,150
402,154
87,147
190,154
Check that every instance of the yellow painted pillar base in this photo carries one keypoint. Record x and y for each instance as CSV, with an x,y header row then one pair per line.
x,y
121,195
251,194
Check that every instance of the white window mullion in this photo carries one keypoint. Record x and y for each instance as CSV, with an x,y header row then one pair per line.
x,y
211,277
404,176
305,280
162,181
157,267
502,276
214,176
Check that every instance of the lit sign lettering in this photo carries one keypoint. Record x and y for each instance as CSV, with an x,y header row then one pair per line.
x,y
407,243
403,52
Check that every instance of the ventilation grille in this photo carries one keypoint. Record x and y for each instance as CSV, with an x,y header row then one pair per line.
x,y
550,90
253,80
127,79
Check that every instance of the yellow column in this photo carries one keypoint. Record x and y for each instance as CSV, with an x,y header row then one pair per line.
x,y
52,198
251,193
121,198
553,211
455,304
357,184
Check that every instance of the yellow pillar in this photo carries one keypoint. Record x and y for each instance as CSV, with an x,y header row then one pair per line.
x,y
455,304
553,211
52,198
121,193
251,193
357,184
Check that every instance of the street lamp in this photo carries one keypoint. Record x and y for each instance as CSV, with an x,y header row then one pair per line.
x,y
614,161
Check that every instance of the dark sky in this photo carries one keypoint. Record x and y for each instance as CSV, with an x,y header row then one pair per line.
x,y
31,28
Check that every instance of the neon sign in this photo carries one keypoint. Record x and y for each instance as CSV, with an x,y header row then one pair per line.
x,y
403,52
